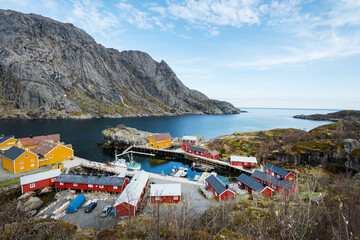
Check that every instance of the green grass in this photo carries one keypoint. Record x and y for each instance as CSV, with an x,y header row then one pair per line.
x,y
9,182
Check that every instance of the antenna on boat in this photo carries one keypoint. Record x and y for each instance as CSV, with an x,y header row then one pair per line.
x,y
116,154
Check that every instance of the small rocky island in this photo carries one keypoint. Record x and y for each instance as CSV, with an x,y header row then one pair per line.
x,y
345,115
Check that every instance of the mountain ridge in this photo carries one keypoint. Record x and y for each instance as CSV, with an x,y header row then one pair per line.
x,y
50,69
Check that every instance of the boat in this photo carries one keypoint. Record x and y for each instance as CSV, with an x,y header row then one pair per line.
x,y
173,171
121,162
200,168
132,165
185,173
196,178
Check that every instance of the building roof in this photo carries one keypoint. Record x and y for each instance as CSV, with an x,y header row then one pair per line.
x,y
39,176
251,182
197,149
187,144
13,153
272,180
278,170
44,148
165,190
94,180
217,184
214,153
5,138
132,192
243,159
190,138
31,141
161,137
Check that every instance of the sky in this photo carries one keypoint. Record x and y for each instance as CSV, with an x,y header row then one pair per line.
x,y
252,53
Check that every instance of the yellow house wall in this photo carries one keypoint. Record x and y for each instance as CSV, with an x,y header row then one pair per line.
x,y
153,144
27,164
7,164
9,142
59,154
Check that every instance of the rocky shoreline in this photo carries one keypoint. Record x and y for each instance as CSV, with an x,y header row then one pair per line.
x,y
345,115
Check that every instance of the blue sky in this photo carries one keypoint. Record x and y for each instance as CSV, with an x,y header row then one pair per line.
x,y
251,53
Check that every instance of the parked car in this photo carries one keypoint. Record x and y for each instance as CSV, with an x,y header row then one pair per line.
x,y
90,207
106,210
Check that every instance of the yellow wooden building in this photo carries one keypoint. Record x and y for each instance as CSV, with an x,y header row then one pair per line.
x,y
19,160
6,142
161,140
31,142
50,153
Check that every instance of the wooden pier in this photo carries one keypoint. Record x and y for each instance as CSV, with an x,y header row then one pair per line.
x,y
181,154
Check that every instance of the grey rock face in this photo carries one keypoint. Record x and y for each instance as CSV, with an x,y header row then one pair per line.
x,y
49,69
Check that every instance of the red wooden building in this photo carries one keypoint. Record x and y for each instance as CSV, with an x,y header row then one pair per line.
x,y
279,172
129,200
243,161
92,183
198,151
250,184
189,139
165,193
213,155
278,185
219,188
39,180
186,146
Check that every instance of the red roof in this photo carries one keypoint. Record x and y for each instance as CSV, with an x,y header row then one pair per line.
x,y
31,141
161,137
44,148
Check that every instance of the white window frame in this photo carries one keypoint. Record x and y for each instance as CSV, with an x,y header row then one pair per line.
x,y
32,160
90,185
101,186
51,156
176,197
32,165
115,187
21,162
22,167
157,198
61,184
273,186
53,180
26,155
32,185
75,184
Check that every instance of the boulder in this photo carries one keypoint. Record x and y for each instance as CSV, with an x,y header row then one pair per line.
x,y
46,190
350,145
27,195
33,203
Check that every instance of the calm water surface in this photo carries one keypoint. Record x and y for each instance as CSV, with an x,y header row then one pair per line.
x,y
84,134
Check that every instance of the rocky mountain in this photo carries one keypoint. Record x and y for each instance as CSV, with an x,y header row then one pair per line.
x,y
50,69
345,115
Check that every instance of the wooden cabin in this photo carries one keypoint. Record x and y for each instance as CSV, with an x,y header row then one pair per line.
x,y
18,160
161,140
219,189
32,142
186,146
250,184
92,183
189,139
165,193
213,155
279,172
129,200
6,142
38,180
198,151
53,153
278,185
243,161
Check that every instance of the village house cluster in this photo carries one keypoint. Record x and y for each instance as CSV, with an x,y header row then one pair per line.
x,y
24,154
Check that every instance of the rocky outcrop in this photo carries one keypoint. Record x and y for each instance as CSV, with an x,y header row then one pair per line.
x,y
345,115
49,69
123,137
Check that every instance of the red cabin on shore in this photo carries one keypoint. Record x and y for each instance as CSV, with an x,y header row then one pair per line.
x,y
249,184
278,185
219,188
198,151
279,172
129,200
213,155
165,193
186,146
243,161
39,180
189,139
92,183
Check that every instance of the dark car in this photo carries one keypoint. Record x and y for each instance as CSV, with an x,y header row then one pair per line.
x,y
90,207
105,211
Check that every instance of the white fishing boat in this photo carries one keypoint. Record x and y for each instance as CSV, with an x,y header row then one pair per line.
x,y
121,162
132,165
184,173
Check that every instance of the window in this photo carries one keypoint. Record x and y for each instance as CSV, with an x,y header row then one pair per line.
x,y
32,160
157,198
61,184
176,198
26,156
32,165
21,162
53,180
32,185
21,167
101,186
216,194
273,186
273,174
115,187
75,184
90,185
50,156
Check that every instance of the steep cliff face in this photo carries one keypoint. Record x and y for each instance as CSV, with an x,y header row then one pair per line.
x,y
50,69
